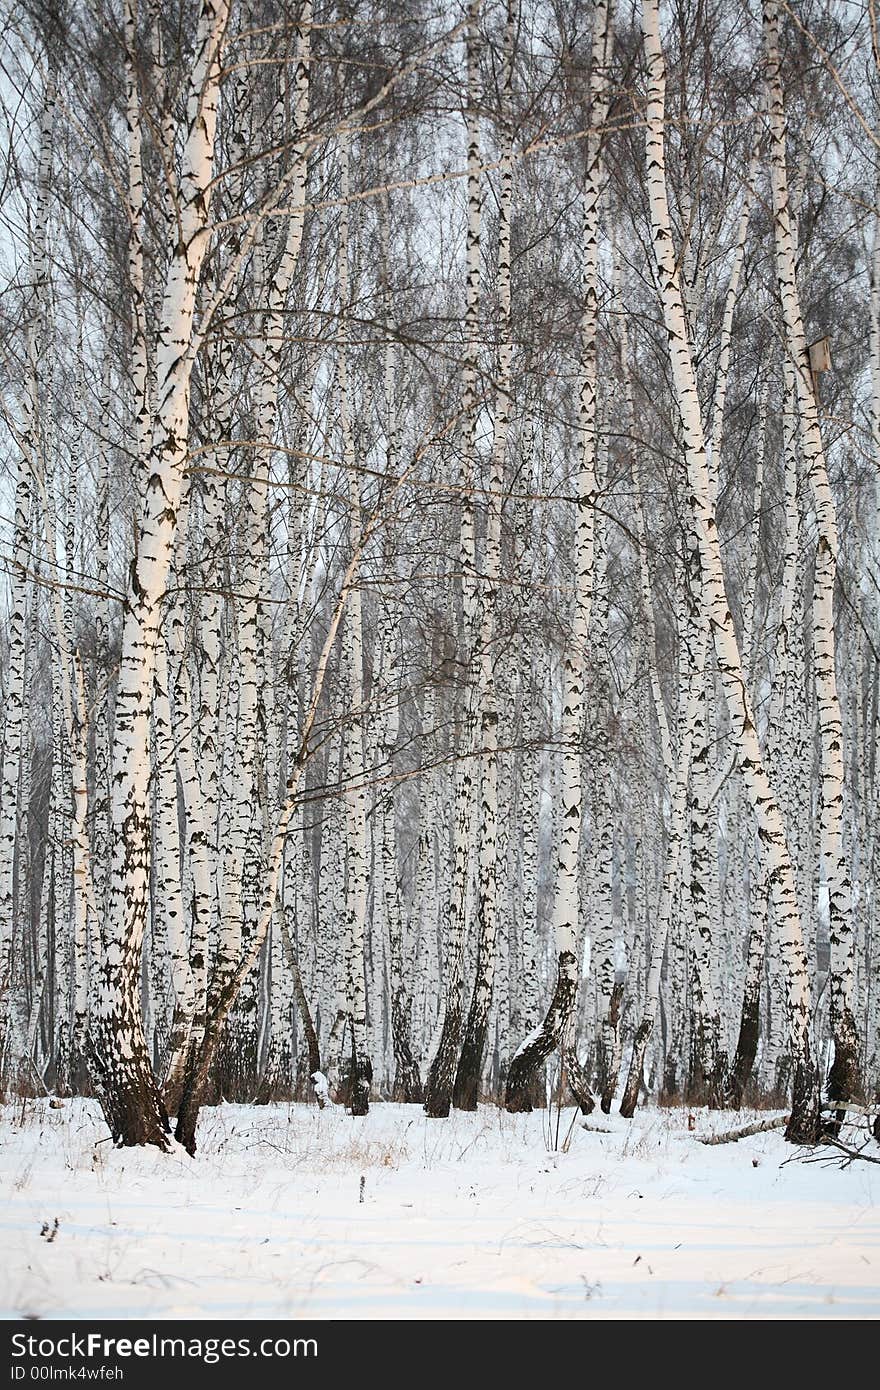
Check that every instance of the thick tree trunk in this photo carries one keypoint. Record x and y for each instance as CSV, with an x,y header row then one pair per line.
x,y
129,1092
535,1050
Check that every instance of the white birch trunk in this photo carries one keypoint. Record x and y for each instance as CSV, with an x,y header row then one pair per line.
x,y
844,1082
675,845
129,1094
353,752
139,364
765,805
535,1049
441,1074
467,1080
29,462
173,972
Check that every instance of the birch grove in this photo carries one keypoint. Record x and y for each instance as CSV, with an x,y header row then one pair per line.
x,y
440,553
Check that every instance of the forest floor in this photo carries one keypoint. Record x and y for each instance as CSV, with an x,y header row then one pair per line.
x,y
289,1212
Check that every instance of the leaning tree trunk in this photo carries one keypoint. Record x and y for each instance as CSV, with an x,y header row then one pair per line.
x,y
802,1126
223,993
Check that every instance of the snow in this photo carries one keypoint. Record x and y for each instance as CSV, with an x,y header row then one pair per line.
x,y
321,1087
290,1211
528,1040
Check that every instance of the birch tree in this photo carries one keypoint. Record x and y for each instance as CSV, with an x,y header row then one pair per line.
x,y
802,1124
844,1082
441,1074
29,463
535,1049
129,1092
467,1078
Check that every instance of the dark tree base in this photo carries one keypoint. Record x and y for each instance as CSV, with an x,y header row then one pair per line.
x,y
579,1083
359,1093
441,1075
804,1124
744,1058
134,1109
630,1098
235,1065
783,1078
669,1091
604,1082
844,1079
718,1084
530,1059
407,1088
187,1119
358,1083
125,1082
465,1092
276,1083
609,1050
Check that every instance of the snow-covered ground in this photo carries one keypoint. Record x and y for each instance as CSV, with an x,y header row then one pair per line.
x,y
287,1211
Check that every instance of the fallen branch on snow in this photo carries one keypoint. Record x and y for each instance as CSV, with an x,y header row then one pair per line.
x,y
731,1135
